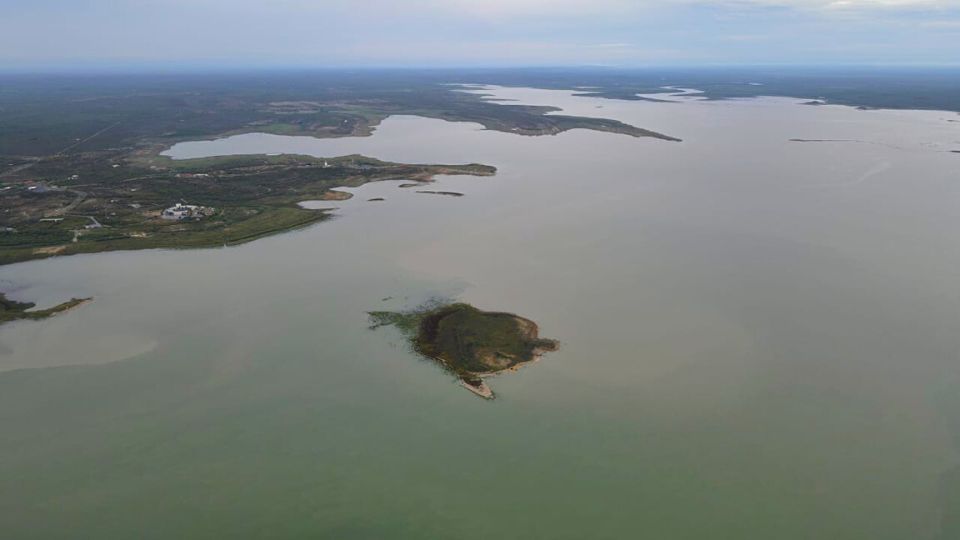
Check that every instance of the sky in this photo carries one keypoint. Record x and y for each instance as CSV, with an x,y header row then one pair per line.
x,y
76,34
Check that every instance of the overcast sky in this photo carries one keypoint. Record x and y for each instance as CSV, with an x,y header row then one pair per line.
x,y
45,34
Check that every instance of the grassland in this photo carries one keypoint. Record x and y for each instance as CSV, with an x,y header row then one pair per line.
x,y
468,342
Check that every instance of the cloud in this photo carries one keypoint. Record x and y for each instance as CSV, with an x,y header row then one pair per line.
x,y
546,7
525,8
421,32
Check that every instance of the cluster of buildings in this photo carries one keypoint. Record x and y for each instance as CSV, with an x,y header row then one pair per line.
x,y
180,212
40,188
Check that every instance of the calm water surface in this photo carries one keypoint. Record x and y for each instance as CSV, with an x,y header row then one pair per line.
x,y
760,339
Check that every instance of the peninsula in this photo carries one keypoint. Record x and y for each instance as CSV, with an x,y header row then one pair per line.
x,y
108,201
11,310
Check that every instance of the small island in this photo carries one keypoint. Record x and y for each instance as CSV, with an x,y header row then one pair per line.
x,y
11,310
470,343
447,193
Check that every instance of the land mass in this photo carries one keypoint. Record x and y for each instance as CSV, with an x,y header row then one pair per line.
x,y
927,88
447,193
11,310
43,116
107,201
81,169
469,343
821,140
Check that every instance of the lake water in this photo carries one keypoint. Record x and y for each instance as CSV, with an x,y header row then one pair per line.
x,y
760,339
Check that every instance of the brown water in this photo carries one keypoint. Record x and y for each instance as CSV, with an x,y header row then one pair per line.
x,y
759,340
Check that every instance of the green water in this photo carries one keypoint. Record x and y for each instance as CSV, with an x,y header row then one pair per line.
x,y
759,340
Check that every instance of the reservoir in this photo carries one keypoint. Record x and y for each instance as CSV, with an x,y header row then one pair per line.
x,y
759,328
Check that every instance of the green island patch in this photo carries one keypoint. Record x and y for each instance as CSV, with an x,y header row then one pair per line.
x,y
11,310
470,343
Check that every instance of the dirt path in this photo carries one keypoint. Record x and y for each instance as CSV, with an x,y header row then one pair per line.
x,y
102,131
24,166
18,168
80,196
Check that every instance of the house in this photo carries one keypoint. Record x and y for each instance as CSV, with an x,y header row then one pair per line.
x,y
180,212
177,212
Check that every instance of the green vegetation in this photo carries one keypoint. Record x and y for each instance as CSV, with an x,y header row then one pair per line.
x,y
47,115
468,342
112,200
11,310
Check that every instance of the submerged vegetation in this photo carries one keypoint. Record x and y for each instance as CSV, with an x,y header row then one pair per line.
x,y
468,342
11,310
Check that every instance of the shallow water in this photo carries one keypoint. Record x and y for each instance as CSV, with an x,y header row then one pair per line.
x,y
759,340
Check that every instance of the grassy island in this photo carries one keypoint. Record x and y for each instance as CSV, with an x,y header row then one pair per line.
x,y
470,343
11,310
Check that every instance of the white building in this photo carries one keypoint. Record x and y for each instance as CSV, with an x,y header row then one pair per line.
x,y
185,211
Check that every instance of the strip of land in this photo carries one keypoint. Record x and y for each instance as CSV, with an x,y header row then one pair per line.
x,y
11,310
447,193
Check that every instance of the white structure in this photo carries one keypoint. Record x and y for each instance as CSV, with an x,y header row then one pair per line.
x,y
185,211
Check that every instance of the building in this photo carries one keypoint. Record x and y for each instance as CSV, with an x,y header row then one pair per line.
x,y
180,212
